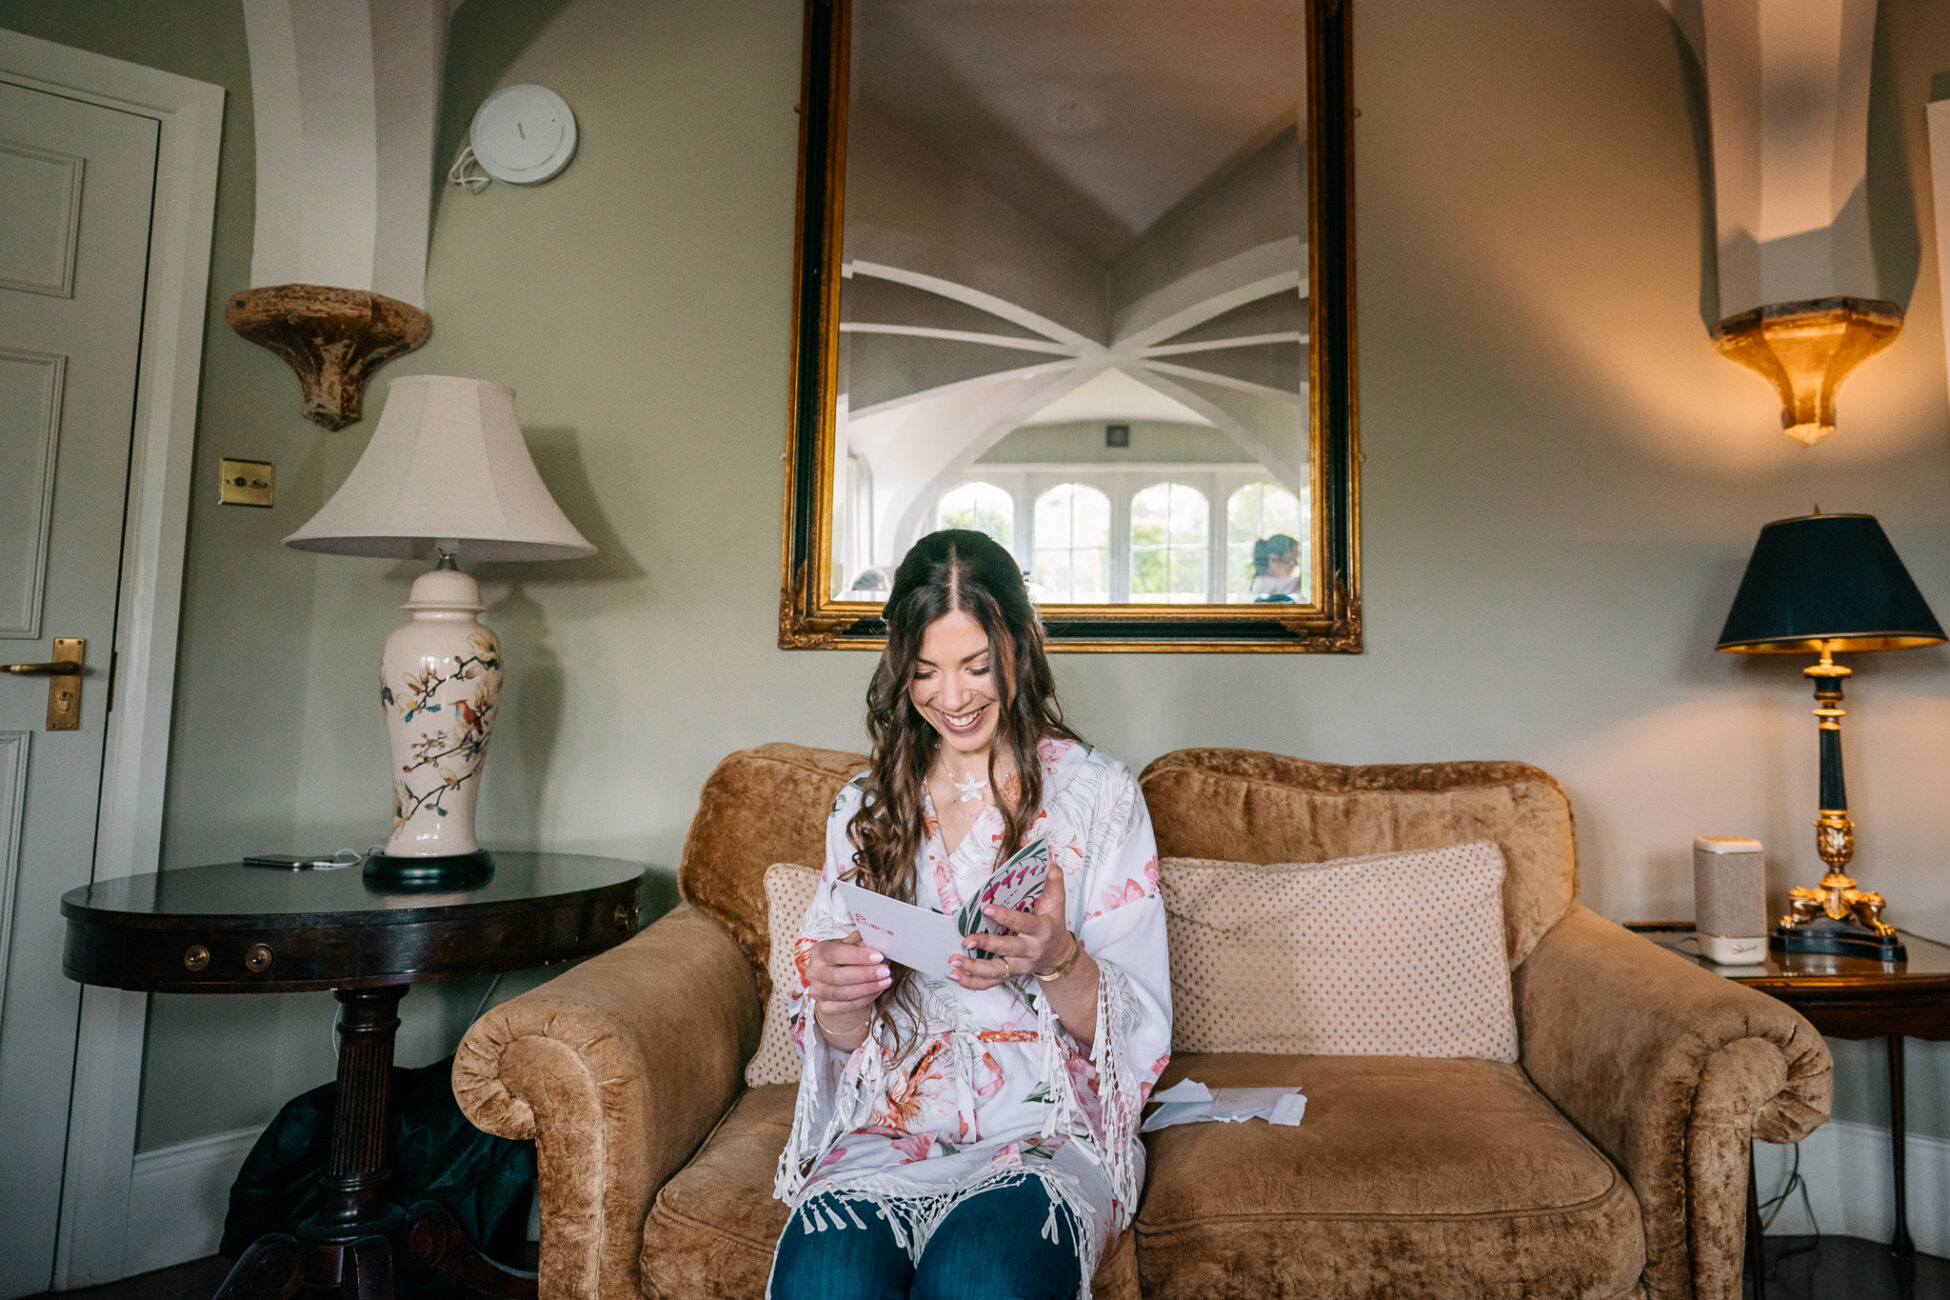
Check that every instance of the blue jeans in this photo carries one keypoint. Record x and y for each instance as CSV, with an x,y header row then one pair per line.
x,y
990,1246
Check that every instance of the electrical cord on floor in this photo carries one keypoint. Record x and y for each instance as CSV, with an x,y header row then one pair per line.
x,y
1770,1209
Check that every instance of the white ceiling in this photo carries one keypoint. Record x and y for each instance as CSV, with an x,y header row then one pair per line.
x,y
1097,118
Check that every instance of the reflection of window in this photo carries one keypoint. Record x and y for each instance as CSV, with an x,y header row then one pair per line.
x,y
1072,560
1169,526
983,507
1256,512
856,544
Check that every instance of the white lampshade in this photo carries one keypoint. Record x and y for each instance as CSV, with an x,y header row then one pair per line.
x,y
446,464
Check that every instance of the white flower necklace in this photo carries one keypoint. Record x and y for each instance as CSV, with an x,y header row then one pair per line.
x,y
968,789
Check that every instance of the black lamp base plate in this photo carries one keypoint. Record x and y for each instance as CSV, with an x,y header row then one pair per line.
x,y
403,875
1838,939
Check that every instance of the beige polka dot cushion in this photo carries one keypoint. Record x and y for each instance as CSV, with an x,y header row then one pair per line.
x,y
1399,954
788,893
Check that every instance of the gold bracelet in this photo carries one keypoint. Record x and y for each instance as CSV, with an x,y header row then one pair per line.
x,y
1068,964
829,1032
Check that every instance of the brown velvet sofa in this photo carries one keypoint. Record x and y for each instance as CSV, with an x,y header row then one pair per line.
x,y
1611,1161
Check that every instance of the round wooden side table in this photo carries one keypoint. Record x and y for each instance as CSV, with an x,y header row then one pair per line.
x,y
237,929
1846,997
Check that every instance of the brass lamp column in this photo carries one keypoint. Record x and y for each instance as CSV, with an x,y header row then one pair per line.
x,y
1827,584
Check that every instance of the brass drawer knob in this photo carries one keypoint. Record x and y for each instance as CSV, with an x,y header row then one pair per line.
x,y
625,917
257,958
196,958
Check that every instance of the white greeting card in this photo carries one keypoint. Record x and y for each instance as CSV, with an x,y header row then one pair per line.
x,y
912,936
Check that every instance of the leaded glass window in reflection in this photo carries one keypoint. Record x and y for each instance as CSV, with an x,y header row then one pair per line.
x,y
983,507
1072,550
1267,551
1169,555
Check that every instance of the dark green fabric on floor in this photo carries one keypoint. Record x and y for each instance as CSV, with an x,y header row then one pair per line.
x,y
487,1182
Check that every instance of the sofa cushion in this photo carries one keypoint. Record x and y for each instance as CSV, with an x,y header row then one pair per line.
x,y
759,806
712,1228
1409,1177
789,891
1240,805
1400,954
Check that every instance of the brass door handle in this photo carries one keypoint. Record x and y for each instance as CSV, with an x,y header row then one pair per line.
x,y
64,692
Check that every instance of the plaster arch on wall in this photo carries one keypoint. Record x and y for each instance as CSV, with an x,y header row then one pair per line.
x,y
345,96
1787,90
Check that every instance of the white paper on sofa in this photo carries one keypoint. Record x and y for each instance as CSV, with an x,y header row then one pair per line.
x,y
1191,1102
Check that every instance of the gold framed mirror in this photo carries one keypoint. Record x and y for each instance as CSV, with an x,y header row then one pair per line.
x,y
1079,273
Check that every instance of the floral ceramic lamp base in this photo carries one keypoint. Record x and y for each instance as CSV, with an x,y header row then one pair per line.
x,y
440,681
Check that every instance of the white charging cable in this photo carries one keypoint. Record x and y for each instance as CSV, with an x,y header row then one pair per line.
x,y
467,171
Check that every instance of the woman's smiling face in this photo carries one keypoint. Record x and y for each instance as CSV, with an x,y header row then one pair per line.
x,y
954,685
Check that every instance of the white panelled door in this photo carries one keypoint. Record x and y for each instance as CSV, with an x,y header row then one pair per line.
x,y
76,184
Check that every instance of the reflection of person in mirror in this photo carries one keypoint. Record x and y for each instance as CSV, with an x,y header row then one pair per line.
x,y
974,1134
1276,564
870,584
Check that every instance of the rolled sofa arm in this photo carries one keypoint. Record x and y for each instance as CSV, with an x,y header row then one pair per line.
x,y
618,1069
1672,1070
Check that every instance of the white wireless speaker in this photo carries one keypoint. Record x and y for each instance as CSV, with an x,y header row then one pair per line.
x,y
1729,900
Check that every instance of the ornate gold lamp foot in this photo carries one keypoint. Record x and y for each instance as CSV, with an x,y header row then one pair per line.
x,y
1835,917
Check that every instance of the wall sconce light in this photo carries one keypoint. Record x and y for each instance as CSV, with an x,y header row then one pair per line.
x,y
1806,349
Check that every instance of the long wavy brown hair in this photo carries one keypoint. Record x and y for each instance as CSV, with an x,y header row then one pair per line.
x,y
955,569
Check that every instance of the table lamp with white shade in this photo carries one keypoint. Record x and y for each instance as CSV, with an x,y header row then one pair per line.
x,y
446,476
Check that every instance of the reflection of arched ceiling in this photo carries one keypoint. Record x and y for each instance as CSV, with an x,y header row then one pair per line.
x,y
1094,118
1070,203
962,319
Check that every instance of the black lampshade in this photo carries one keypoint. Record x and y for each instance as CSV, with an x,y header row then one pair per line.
x,y
1827,582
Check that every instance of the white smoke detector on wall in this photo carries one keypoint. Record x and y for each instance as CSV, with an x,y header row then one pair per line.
x,y
522,135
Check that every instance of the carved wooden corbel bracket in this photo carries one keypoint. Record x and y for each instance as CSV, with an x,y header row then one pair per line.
x,y
1806,350
334,338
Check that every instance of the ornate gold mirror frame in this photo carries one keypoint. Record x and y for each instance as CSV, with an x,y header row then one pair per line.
x,y
811,617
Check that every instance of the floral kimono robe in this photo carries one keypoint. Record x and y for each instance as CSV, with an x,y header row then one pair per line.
x,y
997,1091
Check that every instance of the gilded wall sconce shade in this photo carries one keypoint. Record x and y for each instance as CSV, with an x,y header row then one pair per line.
x,y
1827,585
1806,349
335,339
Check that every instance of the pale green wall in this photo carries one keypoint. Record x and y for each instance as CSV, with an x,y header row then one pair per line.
x,y
1562,482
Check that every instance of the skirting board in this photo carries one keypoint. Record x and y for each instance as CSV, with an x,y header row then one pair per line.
x,y
1852,1189
178,1196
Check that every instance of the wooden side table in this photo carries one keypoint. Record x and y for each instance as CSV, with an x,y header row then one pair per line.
x,y
238,929
1849,997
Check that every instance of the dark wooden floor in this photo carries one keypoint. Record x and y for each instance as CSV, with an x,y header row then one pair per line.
x,y
1838,1268
196,1280
1848,1268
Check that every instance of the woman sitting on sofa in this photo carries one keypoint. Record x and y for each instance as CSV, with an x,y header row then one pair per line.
x,y
974,1135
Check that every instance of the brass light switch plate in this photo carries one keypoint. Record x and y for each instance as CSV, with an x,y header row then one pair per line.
x,y
247,483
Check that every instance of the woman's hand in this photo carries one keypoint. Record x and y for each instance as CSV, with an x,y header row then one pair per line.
x,y
844,976
1040,941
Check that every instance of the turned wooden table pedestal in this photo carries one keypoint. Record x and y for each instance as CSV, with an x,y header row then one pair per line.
x,y
238,929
